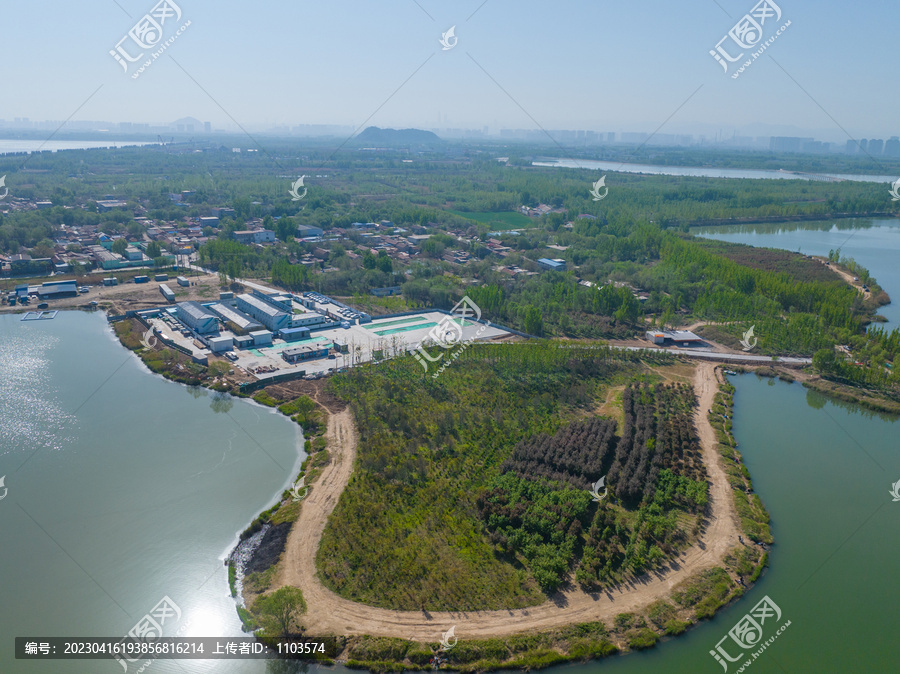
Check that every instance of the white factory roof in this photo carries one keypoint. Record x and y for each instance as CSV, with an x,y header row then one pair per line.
x,y
265,307
195,311
227,313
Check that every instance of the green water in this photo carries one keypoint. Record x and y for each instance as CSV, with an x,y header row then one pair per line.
x,y
824,471
406,328
873,243
402,321
123,488
461,322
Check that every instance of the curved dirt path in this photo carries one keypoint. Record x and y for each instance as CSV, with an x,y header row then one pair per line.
x,y
330,614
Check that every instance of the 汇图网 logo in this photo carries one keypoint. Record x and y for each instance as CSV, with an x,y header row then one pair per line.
x,y
448,333
895,490
295,190
3,488
746,34
146,34
598,485
749,341
299,487
148,339
448,639
5,192
448,40
895,190
150,627
748,633
595,192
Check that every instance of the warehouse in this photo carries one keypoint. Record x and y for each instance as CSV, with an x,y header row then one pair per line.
x,y
294,334
263,312
676,337
53,289
237,322
220,344
196,317
261,338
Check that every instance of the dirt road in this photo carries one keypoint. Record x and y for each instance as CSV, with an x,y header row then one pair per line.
x,y
328,613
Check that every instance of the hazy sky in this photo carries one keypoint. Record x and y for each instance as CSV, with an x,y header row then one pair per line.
x,y
600,65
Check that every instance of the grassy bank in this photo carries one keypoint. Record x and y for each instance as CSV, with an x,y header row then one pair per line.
x,y
751,511
697,598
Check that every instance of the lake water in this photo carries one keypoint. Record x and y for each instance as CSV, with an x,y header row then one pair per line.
x,y
875,244
123,488
705,171
8,146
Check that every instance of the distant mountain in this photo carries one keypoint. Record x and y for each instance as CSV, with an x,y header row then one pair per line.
x,y
375,135
187,124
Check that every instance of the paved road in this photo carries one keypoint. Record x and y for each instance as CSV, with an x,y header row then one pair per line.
x,y
727,357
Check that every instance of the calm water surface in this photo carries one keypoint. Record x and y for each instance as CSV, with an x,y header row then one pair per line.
x,y
875,244
8,146
704,171
123,488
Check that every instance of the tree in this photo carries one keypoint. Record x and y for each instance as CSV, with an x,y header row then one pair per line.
x,y
153,250
369,260
279,610
433,248
824,360
119,246
285,229
534,323
384,263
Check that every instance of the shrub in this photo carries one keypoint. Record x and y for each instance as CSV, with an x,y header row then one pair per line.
x,y
676,627
642,638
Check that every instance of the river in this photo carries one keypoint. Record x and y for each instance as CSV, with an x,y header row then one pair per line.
x,y
875,244
705,171
123,488
9,146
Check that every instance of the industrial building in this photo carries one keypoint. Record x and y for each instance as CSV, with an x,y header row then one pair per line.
x,y
274,319
237,322
676,337
294,334
552,265
220,344
261,338
196,317
305,231
306,352
255,236
54,289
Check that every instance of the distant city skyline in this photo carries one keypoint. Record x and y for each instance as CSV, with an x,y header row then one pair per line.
x,y
182,128
625,68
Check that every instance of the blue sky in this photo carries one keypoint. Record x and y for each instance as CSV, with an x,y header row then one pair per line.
x,y
607,66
